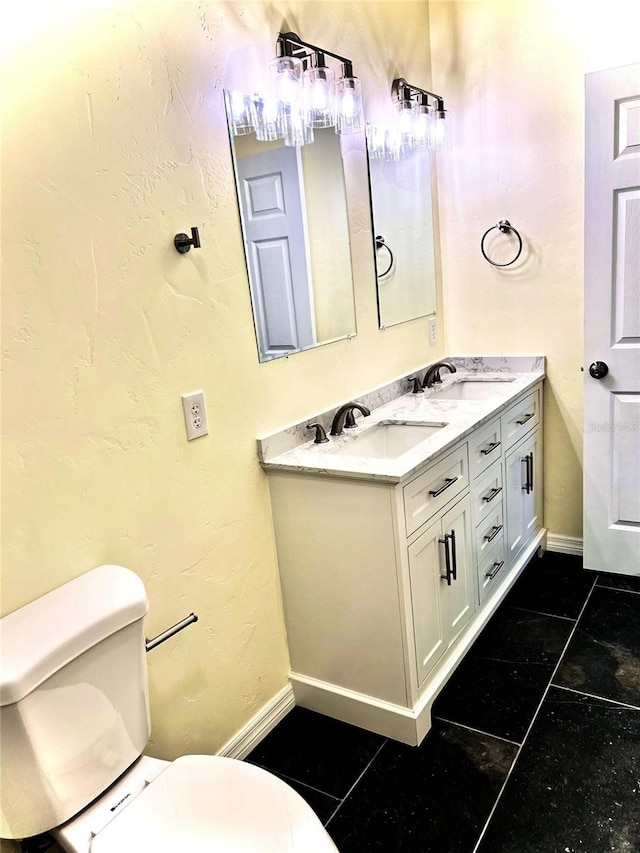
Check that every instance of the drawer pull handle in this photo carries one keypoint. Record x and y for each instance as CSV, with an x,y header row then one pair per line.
x,y
494,493
494,532
494,571
448,481
525,418
490,448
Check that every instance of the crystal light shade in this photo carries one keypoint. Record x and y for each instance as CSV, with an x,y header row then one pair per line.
x,y
318,86
297,131
441,131
242,116
405,121
422,126
268,112
349,117
285,73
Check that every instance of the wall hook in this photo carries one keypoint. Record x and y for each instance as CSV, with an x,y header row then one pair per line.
x,y
183,243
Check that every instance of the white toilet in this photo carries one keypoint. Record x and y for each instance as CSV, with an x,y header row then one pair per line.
x,y
74,719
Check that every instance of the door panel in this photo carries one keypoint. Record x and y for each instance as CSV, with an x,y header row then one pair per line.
x,y
424,575
612,321
458,599
532,513
514,506
276,249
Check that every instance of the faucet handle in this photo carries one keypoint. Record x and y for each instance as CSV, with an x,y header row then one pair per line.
x,y
417,384
321,435
350,420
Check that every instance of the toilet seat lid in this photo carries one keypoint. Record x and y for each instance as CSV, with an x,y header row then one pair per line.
x,y
218,805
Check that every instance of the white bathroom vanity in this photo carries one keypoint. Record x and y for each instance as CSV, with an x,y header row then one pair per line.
x,y
397,540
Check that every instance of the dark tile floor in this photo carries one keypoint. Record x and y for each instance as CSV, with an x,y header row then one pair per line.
x,y
535,745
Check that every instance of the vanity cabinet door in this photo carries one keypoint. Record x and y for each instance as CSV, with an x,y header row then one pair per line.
x,y
440,573
424,577
458,597
523,475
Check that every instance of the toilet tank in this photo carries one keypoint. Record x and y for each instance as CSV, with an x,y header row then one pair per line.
x,y
74,709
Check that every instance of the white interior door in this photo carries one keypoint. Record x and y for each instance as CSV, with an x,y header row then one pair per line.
x,y
276,249
612,322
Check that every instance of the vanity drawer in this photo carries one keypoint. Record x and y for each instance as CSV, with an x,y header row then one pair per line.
x,y
487,493
491,570
488,533
485,446
429,492
520,418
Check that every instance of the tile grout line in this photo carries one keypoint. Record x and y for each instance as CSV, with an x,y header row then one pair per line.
x,y
543,613
298,782
617,589
348,794
544,696
595,696
478,731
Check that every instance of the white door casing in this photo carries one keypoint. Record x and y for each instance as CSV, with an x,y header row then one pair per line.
x,y
276,246
612,321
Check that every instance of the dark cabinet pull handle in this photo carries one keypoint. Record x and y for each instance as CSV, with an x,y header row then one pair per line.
x,y
490,448
448,481
528,462
494,492
447,559
494,532
525,418
494,571
454,561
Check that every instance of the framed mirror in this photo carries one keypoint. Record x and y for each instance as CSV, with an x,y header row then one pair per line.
x,y
295,231
401,201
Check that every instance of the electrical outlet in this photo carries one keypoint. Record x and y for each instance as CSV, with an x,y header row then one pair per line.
x,y
195,414
433,335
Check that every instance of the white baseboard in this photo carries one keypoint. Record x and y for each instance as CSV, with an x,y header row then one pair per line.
x,y
564,544
259,726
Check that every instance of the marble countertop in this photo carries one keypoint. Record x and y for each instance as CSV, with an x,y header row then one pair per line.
x,y
460,417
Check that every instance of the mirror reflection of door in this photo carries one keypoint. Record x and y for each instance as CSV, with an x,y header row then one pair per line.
x,y
271,195
295,229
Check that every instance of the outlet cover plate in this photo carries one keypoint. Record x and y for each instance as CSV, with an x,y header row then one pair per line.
x,y
195,414
433,335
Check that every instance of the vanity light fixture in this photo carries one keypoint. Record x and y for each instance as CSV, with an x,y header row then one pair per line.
x,y
325,102
304,95
421,124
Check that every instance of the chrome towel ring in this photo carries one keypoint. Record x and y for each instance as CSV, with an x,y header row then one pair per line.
x,y
503,226
379,244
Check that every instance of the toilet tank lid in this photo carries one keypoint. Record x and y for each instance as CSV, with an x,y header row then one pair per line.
x,y
40,638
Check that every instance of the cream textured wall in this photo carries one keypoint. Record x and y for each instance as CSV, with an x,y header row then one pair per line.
x,y
114,140
513,72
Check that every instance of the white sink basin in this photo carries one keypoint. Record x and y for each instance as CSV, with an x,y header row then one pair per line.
x,y
471,389
388,439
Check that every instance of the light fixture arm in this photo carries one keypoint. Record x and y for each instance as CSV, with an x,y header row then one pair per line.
x,y
290,44
402,91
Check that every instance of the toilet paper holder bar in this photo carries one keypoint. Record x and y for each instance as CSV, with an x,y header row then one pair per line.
x,y
151,644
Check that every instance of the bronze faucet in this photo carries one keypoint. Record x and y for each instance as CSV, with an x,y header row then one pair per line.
x,y
344,417
432,376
